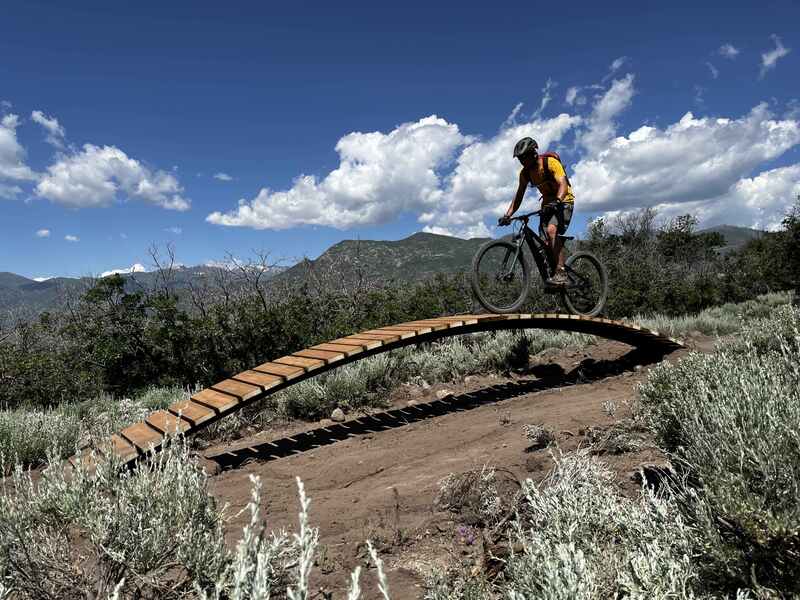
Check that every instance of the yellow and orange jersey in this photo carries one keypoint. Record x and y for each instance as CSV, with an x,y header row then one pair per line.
x,y
546,180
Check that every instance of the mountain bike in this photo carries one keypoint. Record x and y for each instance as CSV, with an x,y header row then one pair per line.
x,y
501,276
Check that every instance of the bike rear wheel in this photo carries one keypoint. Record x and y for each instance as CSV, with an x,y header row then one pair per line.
x,y
587,289
500,277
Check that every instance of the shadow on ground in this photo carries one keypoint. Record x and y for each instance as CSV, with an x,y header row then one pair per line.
x,y
549,376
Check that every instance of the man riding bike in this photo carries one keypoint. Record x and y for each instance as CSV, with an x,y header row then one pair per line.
x,y
546,173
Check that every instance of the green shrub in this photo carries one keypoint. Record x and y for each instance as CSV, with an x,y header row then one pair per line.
x,y
731,420
581,539
67,537
28,434
154,532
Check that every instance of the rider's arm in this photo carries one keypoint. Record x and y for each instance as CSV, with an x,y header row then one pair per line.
x,y
523,183
562,188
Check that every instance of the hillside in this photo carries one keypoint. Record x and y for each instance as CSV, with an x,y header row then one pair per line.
x,y
419,256
735,237
416,257
25,297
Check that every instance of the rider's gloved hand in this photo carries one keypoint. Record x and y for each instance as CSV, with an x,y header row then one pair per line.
x,y
503,221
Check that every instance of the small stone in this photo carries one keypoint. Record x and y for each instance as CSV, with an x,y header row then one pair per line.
x,y
211,467
337,416
425,385
695,334
638,368
411,403
442,394
470,379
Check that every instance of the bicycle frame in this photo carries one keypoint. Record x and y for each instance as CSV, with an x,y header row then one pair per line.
x,y
540,250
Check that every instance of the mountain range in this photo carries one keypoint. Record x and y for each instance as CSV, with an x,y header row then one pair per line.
x,y
416,257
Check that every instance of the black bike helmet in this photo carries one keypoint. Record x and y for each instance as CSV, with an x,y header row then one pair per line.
x,y
525,147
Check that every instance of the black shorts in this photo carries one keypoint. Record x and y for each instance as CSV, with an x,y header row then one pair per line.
x,y
556,214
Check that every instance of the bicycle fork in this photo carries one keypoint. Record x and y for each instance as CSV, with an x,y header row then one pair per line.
x,y
506,273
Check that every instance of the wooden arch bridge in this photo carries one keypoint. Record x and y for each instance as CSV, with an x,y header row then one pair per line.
x,y
245,388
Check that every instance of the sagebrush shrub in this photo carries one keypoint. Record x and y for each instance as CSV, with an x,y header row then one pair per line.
x,y
580,538
731,421
473,493
77,533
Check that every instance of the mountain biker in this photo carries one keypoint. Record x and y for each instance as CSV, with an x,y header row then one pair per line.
x,y
557,198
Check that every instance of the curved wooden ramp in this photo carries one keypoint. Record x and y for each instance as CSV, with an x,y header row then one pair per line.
x,y
247,387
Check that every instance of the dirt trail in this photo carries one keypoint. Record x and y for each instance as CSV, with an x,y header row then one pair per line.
x,y
382,485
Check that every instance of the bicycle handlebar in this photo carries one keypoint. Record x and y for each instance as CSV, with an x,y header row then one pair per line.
x,y
535,213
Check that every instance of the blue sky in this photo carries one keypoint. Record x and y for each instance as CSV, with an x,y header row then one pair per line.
x,y
116,117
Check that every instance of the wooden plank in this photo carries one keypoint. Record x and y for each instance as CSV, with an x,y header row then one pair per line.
x,y
286,371
464,319
489,317
215,400
348,349
378,337
436,325
363,343
85,459
119,446
418,329
326,355
260,379
143,437
400,333
309,364
167,423
193,412
243,391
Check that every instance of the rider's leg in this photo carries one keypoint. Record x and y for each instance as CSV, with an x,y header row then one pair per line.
x,y
563,217
556,245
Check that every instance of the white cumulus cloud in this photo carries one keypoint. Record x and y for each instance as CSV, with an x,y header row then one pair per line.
x,y
72,238
96,176
692,160
135,268
223,177
601,124
12,154
615,66
55,132
713,69
9,192
43,233
455,184
760,202
380,175
546,97
485,178
771,57
728,51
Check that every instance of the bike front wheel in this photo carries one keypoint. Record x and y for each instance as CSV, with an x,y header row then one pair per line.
x,y
500,277
587,285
